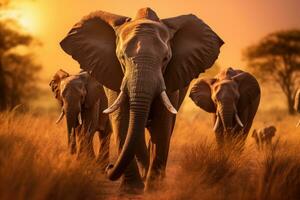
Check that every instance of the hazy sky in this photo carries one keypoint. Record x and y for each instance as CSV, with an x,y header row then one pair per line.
x,y
239,23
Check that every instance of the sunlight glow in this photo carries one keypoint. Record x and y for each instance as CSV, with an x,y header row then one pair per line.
x,y
26,14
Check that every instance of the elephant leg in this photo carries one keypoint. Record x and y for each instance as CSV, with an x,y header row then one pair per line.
x,y
73,142
159,150
239,134
90,147
248,117
89,127
219,134
220,138
86,150
258,144
131,180
103,155
161,128
142,157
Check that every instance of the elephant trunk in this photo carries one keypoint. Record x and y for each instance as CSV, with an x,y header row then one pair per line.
x,y
227,113
142,86
139,109
73,119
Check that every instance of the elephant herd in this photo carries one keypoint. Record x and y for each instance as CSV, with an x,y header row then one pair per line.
x,y
135,74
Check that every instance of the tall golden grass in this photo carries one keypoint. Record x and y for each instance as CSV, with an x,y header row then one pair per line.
x,y
35,164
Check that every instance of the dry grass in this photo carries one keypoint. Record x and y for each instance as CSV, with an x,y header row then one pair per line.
x,y
34,163
206,173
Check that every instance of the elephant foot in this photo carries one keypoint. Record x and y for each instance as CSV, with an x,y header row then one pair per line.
x,y
135,186
130,184
72,149
153,186
155,181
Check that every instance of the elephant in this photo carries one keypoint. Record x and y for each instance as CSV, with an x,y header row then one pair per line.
x,y
263,137
297,104
233,96
82,100
145,64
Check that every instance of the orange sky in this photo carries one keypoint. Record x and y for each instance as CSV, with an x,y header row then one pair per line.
x,y
239,23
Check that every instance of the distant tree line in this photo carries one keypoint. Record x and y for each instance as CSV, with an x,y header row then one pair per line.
x,y
18,69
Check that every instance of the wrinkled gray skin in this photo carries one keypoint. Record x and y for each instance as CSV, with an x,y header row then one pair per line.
x,y
297,104
263,137
145,64
81,94
231,94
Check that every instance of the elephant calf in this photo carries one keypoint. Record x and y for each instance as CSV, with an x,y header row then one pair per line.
x,y
82,100
233,96
297,104
263,137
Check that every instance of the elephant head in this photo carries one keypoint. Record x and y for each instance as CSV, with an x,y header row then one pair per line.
x,y
227,95
269,132
74,93
143,58
264,136
297,104
55,84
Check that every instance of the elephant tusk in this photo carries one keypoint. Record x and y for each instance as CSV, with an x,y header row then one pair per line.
x,y
217,122
116,104
238,120
79,118
298,124
166,101
60,116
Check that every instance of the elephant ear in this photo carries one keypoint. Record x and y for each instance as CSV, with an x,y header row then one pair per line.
x,y
92,42
201,94
249,89
55,82
195,47
92,88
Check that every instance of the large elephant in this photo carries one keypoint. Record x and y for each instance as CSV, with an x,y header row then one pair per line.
x,y
233,96
82,100
297,104
263,137
146,65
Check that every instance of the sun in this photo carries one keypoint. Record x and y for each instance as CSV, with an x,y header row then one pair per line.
x,y
26,14
27,22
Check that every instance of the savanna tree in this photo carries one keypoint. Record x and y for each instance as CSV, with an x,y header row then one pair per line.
x,y
276,58
18,71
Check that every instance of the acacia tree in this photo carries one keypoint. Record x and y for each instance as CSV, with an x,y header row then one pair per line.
x,y
276,58
17,71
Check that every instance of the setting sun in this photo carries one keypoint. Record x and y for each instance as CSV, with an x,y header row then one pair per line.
x,y
28,23
26,14
29,16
